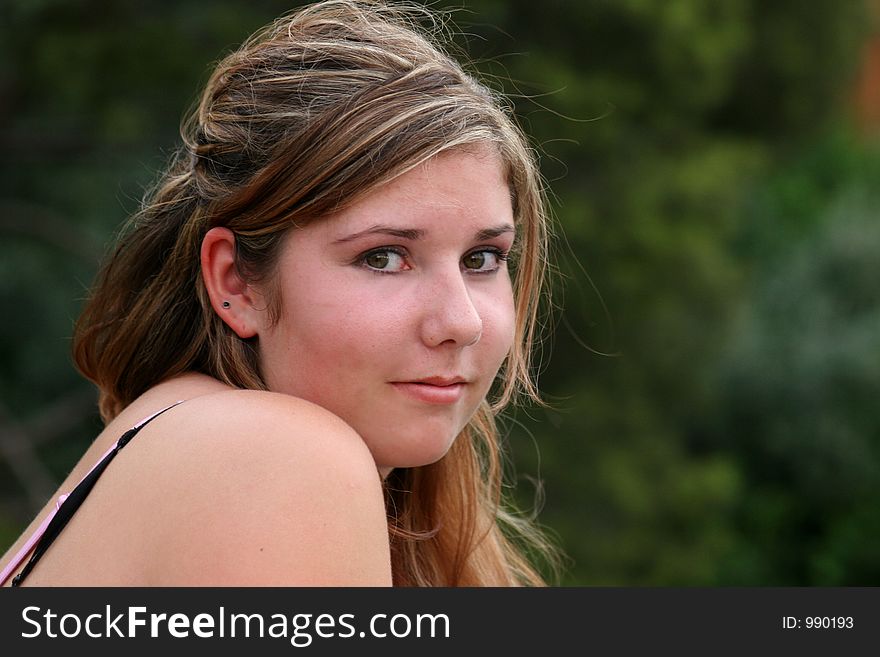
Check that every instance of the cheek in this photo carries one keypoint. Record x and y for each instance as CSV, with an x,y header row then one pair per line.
x,y
499,326
339,331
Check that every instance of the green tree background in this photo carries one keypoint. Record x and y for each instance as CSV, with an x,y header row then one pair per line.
x,y
715,364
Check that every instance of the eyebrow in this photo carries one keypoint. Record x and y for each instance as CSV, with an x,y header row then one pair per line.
x,y
417,234
489,233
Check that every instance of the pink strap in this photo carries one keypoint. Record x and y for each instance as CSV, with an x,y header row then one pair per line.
x,y
25,550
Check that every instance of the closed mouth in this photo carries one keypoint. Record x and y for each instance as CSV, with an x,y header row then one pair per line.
x,y
437,381
432,391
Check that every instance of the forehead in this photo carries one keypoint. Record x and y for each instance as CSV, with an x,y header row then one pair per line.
x,y
468,187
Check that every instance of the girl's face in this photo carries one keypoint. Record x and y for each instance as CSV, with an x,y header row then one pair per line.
x,y
398,311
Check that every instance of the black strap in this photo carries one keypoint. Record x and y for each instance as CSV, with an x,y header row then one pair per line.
x,y
75,499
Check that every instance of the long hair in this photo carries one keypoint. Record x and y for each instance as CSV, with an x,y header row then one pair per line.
x,y
313,112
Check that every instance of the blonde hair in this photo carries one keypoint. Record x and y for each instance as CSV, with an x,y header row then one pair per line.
x,y
310,114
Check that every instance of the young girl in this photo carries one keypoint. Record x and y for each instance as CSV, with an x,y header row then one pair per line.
x,y
303,338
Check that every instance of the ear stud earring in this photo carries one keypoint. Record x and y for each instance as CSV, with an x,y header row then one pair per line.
x,y
226,304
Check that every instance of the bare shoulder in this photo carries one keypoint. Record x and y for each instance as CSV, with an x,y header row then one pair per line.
x,y
266,425
258,488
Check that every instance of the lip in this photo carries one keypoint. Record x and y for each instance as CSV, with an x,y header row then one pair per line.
x,y
433,390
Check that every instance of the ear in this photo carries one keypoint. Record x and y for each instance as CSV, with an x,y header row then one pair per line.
x,y
243,314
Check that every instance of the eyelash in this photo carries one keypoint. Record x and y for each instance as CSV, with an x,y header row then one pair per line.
x,y
500,255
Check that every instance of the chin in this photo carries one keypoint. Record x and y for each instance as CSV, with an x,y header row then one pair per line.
x,y
414,451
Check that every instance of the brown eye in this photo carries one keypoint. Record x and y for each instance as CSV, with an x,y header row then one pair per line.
x,y
475,260
483,261
387,261
377,259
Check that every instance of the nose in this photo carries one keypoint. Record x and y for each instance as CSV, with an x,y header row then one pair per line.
x,y
450,314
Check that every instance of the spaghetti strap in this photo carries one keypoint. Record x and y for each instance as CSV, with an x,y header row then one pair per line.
x,y
67,504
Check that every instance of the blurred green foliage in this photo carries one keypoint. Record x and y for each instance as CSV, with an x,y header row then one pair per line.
x,y
716,356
